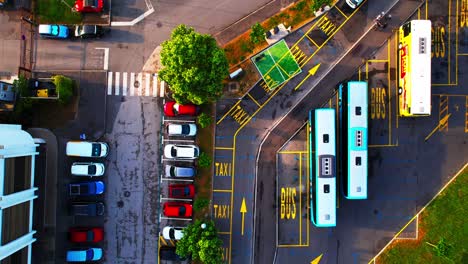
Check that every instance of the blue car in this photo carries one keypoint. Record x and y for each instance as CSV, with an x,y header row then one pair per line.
x,y
86,188
83,255
54,31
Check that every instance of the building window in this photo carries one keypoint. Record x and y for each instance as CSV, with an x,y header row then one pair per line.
x,y
326,138
358,161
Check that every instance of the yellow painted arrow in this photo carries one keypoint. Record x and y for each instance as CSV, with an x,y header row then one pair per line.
x,y
243,210
312,71
316,260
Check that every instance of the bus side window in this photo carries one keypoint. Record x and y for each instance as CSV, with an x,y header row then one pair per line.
x,y
326,138
358,161
357,110
326,188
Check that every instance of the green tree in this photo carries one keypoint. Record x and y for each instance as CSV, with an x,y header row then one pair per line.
x,y
204,161
21,86
201,243
257,33
64,86
204,120
193,66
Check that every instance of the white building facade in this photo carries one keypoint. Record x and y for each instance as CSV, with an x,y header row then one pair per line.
x,y
17,193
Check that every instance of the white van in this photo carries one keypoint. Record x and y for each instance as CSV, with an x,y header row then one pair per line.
x,y
87,169
87,149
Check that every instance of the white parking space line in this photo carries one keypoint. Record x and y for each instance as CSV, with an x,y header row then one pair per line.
x,y
117,83
140,83
173,218
124,84
180,121
176,180
109,83
155,85
174,199
161,89
180,140
148,79
132,83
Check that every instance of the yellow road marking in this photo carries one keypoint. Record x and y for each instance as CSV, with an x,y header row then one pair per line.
x,y
228,112
292,151
291,246
339,10
311,73
442,122
225,191
389,96
317,260
466,115
382,146
223,148
300,199
426,10
253,99
266,102
377,60
162,240
224,233
243,210
397,109
313,42
443,111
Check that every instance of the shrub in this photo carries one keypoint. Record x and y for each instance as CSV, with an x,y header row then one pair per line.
x,y
257,33
204,161
200,203
319,3
21,86
64,86
246,46
204,120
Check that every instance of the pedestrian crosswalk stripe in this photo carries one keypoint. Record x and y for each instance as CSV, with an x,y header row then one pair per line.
x,y
132,81
147,90
124,84
109,83
135,84
117,83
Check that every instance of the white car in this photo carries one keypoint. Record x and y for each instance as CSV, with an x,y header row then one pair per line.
x,y
182,129
354,3
87,169
87,149
172,233
172,151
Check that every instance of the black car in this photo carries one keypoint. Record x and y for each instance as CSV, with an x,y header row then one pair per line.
x,y
87,209
169,253
89,31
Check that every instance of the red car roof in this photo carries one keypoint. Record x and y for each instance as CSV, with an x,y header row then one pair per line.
x,y
80,234
181,190
173,209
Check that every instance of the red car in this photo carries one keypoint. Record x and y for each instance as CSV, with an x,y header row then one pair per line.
x,y
177,209
172,108
86,234
181,190
89,6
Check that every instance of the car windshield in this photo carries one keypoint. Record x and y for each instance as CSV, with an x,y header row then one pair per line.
x,y
90,3
186,191
176,108
182,210
173,152
185,129
54,30
89,235
96,149
89,254
176,192
91,169
171,233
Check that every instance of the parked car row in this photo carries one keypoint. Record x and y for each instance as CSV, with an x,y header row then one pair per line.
x,y
78,31
86,237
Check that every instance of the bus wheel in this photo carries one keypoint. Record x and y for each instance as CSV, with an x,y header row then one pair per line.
x,y
400,90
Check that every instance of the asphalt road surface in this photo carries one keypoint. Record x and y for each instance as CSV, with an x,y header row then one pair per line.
x,y
401,179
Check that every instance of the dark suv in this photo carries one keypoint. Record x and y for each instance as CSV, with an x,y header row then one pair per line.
x,y
87,209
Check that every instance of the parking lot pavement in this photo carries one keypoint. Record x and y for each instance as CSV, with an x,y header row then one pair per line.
x,y
131,222
10,38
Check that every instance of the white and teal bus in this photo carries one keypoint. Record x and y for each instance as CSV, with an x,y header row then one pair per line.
x,y
323,169
353,103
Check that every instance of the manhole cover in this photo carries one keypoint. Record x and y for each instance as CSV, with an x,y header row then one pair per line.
x,y
136,84
120,204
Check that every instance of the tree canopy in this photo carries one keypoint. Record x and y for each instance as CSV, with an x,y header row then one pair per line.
x,y
193,66
201,243
257,33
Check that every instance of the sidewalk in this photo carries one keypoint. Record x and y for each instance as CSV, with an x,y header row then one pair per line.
x,y
243,24
45,207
